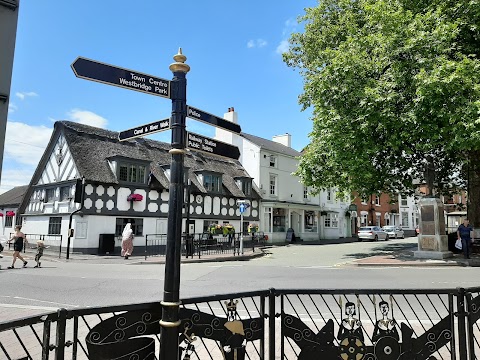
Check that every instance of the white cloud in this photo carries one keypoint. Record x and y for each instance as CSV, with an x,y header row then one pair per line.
x,y
15,177
88,118
283,47
12,107
25,144
290,26
23,95
259,43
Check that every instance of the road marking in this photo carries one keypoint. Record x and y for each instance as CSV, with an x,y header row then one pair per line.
x,y
29,307
42,301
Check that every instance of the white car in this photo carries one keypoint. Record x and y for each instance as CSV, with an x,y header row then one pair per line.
x,y
394,232
374,233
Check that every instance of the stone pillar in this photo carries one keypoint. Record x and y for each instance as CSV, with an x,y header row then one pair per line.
x,y
432,240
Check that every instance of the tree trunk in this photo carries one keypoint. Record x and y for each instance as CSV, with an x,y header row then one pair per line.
x,y
473,202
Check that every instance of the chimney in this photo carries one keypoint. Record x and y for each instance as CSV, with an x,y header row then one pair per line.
x,y
231,115
285,139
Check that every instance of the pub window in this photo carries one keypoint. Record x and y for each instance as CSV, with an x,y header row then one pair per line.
x,y
331,220
55,225
64,193
132,173
50,195
212,182
8,221
137,226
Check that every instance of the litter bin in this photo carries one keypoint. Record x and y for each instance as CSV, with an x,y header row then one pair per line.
x,y
106,244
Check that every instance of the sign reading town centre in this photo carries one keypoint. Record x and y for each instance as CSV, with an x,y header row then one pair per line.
x,y
128,79
143,130
211,146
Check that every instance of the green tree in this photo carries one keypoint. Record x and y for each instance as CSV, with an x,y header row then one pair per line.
x,y
394,87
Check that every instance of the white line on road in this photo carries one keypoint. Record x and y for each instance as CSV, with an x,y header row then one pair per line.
x,y
29,307
48,302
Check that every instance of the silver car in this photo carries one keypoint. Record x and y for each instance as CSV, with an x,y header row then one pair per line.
x,y
394,232
374,233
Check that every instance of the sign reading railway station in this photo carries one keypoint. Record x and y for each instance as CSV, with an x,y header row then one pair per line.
x,y
211,146
143,130
96,71
210,119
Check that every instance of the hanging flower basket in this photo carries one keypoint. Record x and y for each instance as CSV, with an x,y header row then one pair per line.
x,y
228,229
215,229
10,213
252,228
1,214
135,197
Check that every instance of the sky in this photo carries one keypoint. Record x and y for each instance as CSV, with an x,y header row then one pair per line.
x,y
233,48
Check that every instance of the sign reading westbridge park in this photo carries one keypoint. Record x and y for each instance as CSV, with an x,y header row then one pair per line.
x,y
128,79
211,146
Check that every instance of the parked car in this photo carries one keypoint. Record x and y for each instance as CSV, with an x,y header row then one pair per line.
x,y
374,233
394,232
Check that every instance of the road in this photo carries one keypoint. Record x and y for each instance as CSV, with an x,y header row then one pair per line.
x,y
77,284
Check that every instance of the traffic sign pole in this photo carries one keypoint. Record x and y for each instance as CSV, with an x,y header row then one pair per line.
x,y
171,294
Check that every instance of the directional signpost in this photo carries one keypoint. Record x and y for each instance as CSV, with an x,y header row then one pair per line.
x,y
176,90
211,146
210,119
112,75
143,130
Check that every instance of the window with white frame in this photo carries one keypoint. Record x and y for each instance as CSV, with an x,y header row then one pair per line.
x,y
365,200
377,201
273,161
55,225
273,184
132,173
403,200
212,182
50,195
329,195
404,219
331,220
363,220
64,193
305,192
267,219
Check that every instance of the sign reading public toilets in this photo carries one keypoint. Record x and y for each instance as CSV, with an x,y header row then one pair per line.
x,y
128,79
143,130
211,146
208,118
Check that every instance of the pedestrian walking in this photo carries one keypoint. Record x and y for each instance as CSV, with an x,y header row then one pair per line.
x,y
38,255
18,239
464,233
127,241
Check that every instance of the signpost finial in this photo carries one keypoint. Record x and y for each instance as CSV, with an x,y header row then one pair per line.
x,y
179,64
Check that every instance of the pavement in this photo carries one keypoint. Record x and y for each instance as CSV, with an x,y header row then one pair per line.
x,y
403,257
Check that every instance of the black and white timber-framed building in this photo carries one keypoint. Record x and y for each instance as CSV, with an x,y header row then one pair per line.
x,y
113,171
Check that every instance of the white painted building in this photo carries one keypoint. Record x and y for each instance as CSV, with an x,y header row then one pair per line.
x,y
286,202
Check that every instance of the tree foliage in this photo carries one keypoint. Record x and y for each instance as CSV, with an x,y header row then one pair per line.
x,y
391,84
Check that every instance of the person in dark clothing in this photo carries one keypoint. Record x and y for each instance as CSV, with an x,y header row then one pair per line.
x,y
464,233
18,239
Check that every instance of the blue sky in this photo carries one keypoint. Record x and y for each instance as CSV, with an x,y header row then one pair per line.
x,y
233,48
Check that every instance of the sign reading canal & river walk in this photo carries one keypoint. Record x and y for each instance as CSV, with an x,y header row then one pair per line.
x,y
128,79
143,130
211,146
201,115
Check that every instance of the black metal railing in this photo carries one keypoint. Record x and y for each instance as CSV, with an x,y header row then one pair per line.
x,y
198,244
269,324
52,243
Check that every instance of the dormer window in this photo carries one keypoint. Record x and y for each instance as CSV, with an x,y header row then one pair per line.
x,y
212,182
133,173
244,184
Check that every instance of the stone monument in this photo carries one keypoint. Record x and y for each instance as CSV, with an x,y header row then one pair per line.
x,y
432,240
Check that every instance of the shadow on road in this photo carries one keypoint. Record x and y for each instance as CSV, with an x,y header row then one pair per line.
x,y
396,249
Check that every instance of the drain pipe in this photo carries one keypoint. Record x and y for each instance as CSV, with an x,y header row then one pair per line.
x,y
70,230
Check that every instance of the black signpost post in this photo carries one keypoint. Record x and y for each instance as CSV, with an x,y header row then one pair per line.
x,y
176,89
